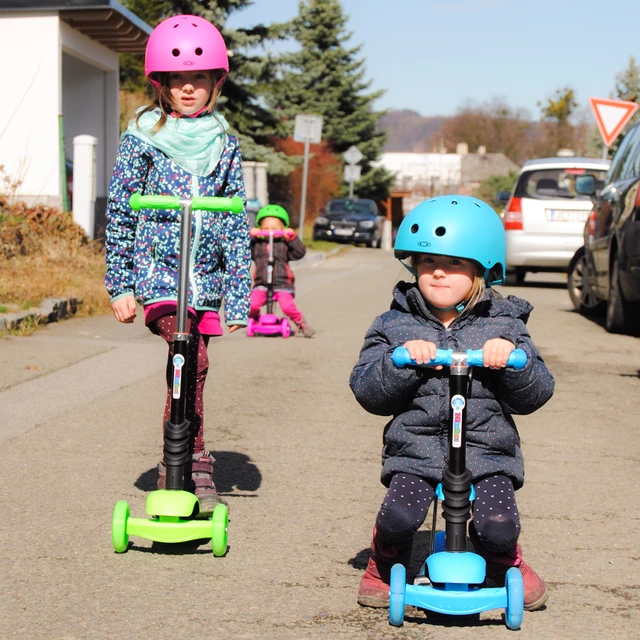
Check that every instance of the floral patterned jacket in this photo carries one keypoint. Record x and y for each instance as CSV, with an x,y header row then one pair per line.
x,y
142,248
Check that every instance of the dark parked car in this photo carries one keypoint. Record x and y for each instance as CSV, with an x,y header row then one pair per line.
x,y
350,220
605,272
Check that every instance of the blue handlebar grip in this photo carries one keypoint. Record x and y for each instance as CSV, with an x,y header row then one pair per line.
x,y
517,359
401,358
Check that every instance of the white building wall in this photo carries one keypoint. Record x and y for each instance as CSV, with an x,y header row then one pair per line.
x,y
29,141
423,174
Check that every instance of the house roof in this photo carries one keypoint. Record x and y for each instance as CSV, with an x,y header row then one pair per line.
x,y
106,21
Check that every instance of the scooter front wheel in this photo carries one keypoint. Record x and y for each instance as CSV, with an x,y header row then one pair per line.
x,y
515,599
219,530
250,327
397,591
286,328
119,536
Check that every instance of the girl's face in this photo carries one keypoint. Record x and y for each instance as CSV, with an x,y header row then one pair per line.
x,y
444,281
271,224
190,90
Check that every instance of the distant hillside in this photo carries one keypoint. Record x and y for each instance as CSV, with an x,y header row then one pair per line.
x,y
409,131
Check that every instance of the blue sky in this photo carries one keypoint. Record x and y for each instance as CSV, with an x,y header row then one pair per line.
x,y
433,56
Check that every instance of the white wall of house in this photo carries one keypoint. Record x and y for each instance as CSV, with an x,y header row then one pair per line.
x,y
30,105
59,72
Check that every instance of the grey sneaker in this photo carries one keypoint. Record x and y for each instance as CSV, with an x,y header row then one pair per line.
x,y
305,330
205,489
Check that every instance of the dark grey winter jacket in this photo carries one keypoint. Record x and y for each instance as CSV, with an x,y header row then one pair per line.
x,y
415,440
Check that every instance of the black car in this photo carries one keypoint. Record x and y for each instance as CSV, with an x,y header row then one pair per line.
x,y
353,220
604,274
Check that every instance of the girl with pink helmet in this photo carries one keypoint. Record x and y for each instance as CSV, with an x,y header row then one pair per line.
x,y
178,145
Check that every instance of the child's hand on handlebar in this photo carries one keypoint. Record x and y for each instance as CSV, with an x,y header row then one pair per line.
x,y
421,351
289,234
495,353
124,309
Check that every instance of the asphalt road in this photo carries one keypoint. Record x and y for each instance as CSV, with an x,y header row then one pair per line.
x,y
299,460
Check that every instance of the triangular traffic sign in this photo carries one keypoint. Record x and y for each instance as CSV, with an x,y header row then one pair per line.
x,y
612,116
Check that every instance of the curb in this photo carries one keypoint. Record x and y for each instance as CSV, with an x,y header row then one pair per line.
x,y
312,257
50,310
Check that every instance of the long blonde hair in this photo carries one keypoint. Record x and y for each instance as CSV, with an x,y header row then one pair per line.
x,y
162,96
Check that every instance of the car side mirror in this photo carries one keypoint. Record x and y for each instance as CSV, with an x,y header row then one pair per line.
x,y
503,197
586,184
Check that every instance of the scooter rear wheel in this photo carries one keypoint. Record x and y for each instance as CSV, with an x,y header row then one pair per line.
x,y
219,527
397,591
250,327
515,599
286,328
119,536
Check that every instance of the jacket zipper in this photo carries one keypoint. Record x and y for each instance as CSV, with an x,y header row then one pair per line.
x,y
152,265
196,241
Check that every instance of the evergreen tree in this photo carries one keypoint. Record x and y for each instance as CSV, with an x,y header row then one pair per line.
x,y
248,74
326,78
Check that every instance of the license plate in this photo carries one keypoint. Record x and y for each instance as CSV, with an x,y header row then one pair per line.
x,y
343,232
565,215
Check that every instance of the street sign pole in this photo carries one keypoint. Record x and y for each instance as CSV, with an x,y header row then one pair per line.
x,y
308,128
305,172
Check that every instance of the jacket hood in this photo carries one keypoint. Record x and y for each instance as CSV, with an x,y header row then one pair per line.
x,y
408,299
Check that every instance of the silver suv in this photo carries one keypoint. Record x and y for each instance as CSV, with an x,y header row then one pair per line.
x,y
545,215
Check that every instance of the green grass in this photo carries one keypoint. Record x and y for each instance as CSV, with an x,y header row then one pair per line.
x,y
4,309
323,246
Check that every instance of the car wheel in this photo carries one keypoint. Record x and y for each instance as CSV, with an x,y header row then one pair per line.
x,y
621,317
580,285
515,277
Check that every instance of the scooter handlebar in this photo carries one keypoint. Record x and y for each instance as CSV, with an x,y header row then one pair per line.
x,y
401,358
203,203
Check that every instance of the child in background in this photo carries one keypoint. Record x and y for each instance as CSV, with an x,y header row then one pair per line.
x,y
178,145
456,250
273,217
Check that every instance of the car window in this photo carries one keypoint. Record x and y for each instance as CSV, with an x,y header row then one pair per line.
x,y
552,184
635,169
352,206
615,172
627,166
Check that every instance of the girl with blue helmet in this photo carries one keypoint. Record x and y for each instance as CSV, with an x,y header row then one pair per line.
x,y
455,248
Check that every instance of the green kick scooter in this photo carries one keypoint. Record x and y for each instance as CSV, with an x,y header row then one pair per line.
x,y
171,510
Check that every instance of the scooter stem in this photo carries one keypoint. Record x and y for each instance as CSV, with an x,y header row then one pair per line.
x,y
456,479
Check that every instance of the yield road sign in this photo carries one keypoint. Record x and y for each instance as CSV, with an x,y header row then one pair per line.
x,y
353,155
612,116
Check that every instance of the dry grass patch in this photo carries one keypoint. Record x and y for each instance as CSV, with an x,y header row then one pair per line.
x,y
44,254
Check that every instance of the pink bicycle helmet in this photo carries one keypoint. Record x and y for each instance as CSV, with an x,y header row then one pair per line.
x,y
185,43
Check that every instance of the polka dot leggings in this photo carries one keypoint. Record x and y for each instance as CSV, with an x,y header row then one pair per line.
x,y
198,367
495,514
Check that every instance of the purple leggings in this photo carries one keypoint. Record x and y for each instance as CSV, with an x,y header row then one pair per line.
x,y
285,300
198,367
495,513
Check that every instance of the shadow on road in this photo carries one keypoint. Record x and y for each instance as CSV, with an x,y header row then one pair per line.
x,y
233,473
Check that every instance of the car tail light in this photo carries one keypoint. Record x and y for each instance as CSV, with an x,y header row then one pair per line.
x,y
592,223
513,215
638,194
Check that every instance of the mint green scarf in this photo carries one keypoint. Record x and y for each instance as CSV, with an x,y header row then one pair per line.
x,y
195,144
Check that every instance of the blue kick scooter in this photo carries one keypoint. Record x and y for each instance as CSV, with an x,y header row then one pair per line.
x,y
450,578
172,510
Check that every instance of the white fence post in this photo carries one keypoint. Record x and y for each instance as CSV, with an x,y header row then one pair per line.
x,y
84,182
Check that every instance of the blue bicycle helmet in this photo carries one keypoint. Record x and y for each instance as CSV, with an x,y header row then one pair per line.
x,y
457,226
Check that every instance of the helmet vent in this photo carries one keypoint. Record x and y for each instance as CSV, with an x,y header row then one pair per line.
x,y
175,53
440,231
454,202
414,228
477,205
198,51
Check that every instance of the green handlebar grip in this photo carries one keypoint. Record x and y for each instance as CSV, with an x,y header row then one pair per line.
x,y
206,203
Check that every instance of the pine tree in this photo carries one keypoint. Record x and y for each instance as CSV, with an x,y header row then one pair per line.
x,y
326,78
240,100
